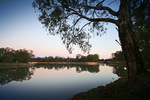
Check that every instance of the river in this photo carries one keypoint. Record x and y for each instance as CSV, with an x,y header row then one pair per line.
x,y
54,82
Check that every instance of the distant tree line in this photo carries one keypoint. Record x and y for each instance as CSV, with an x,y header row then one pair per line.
x,y
9,55
79,58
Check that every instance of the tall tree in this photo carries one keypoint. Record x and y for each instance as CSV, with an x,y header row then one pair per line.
x,y
56,15
141,26
93,58
23,55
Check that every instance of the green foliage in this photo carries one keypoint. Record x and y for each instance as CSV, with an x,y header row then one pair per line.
x,y
23,55
141,27
93,58
8,55
118,57
79,58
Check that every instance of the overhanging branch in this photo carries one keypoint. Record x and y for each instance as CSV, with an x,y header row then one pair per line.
x,y
98,19
76,21
112,12
94,19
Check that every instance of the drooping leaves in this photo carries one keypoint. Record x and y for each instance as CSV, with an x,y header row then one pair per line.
x,y
62,17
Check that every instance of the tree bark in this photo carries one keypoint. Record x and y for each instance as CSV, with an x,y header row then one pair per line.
x,y
130,49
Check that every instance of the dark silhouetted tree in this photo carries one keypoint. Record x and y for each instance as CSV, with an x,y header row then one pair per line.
x,y
62,17
141,27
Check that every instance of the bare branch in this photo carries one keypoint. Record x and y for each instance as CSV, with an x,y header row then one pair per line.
x,y
84,26
112,2
76,21
118,42
100,3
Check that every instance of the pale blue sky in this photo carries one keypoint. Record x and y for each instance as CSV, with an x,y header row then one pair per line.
x,y
20,28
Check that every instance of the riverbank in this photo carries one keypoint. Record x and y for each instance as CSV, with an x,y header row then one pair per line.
x,y
15,64
33,63
136,88
5,65
75,63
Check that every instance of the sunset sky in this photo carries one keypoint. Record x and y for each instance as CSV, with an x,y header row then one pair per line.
x,y
20,28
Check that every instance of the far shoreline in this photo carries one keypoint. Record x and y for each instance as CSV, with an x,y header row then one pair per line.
x,y
78,63
3,65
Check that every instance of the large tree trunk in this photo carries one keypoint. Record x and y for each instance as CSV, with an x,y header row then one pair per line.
x,y
130,49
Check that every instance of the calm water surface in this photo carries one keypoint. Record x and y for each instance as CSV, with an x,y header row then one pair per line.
x,y
54,82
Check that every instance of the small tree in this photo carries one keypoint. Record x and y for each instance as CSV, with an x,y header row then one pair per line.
x,y
118,56
63,16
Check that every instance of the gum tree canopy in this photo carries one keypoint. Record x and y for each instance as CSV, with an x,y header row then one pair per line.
x,y
64,17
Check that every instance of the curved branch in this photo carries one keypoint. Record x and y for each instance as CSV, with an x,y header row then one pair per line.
x,y
76,21
112,2
95,19
84,26
112,12
99,19
100,3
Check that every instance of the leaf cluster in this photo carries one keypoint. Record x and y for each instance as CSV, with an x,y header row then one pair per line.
x,y
63,17
141,25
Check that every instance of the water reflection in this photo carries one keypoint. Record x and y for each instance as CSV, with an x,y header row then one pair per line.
x,y
14,74
79,68
24,73
120,71
54,82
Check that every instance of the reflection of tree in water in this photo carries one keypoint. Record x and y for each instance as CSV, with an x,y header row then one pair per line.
x,y
24,73
120,71
14,74
90,68
79,68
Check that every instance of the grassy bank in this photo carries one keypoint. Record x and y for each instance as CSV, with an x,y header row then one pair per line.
x,y
134,89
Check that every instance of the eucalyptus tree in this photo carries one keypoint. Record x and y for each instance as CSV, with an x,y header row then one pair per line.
x,y
141,27
64,17
23,55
